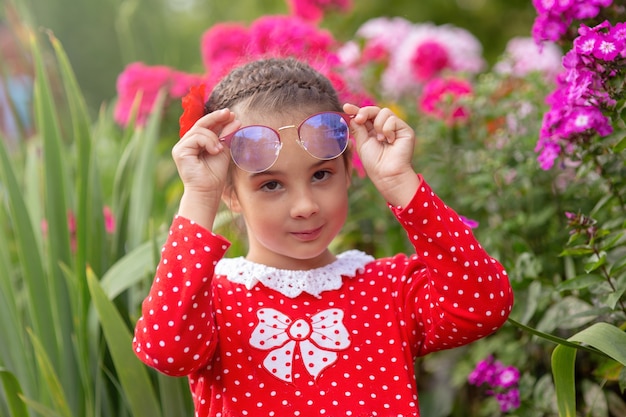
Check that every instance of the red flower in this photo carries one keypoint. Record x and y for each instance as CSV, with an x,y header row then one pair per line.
x,y
193,108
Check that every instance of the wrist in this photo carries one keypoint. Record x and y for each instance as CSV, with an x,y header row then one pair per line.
x,y
399,190
200,206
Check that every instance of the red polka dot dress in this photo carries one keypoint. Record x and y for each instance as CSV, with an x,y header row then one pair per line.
x,y
339,340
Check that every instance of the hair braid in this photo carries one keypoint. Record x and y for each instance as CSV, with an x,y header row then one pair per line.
x,y
275,84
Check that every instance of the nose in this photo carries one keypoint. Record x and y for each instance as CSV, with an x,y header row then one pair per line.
x,y
304,204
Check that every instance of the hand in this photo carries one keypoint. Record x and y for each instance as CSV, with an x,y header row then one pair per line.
x,y
385,145
201,159
202,162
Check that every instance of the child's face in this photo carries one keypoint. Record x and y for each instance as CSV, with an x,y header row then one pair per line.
x,y
296,208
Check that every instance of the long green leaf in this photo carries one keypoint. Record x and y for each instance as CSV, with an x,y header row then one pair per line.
x,y
132,374
130,269
31,262
89,219
56,209
50,377
552,338
563,359
142,188
13,393
607,338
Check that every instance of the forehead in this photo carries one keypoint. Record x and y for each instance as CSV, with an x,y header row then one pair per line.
x,y
275,117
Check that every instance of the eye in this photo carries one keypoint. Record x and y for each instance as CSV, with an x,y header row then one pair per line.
x,y
270,186
321,175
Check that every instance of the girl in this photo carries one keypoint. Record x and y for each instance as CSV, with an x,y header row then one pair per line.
x,y
292,329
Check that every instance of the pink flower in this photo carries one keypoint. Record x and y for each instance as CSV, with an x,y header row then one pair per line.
x,y
283,36
452,48
429,59
440,99
523,56
109,220
223,47
313,10
471,223
139,79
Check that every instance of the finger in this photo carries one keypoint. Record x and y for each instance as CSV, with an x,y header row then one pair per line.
x,y
214,121
390,127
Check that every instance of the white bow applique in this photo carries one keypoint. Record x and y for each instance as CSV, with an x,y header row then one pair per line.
x,y
318,339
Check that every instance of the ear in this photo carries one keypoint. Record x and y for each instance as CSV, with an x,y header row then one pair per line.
x,y
229,197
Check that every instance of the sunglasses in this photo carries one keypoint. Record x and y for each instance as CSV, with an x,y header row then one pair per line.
x,y
255,148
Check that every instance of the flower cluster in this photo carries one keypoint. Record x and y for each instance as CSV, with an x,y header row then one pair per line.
x,y
501,381
586,91
555,17
413,53
139,85
227,45
313,10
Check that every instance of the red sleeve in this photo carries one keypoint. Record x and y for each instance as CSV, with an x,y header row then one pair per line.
x,y
176,332
454,291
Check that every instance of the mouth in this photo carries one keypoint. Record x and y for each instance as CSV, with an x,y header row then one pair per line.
x,y
307,235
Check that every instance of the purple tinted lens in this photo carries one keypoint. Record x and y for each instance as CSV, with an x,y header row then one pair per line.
x,y
255,148
325,135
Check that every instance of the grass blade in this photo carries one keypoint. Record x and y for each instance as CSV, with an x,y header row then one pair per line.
x,y
563,360
13,393
132,374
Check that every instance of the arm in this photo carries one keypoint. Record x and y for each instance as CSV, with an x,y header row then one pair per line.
x,y
176,333
455,292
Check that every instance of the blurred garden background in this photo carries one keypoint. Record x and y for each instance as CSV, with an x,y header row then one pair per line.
x,y
519,109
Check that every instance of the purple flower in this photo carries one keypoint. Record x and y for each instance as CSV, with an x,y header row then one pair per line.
x,y
482,373
501,382
508,400
507,376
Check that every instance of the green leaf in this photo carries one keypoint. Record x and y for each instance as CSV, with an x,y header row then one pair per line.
x,y
130,269
563,359
13,393
579,282
577,251
51,379
620,146
132,373
595,263
606,338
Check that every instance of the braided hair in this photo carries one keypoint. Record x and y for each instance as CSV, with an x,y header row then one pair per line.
x,y
276,85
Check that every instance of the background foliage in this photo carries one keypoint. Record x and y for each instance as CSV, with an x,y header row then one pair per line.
x,y
71,284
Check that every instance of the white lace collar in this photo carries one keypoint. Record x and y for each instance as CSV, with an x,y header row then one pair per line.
x,y
293,283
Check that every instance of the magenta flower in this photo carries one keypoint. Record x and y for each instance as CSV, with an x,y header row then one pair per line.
x,y
282,36
313,10
142,82
584,91
501,382
440,99
508,400
109,220
222,48
139,79
554,17
429,59
471,223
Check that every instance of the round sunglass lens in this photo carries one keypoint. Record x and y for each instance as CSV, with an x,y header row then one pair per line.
x,y
325,135
255,148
